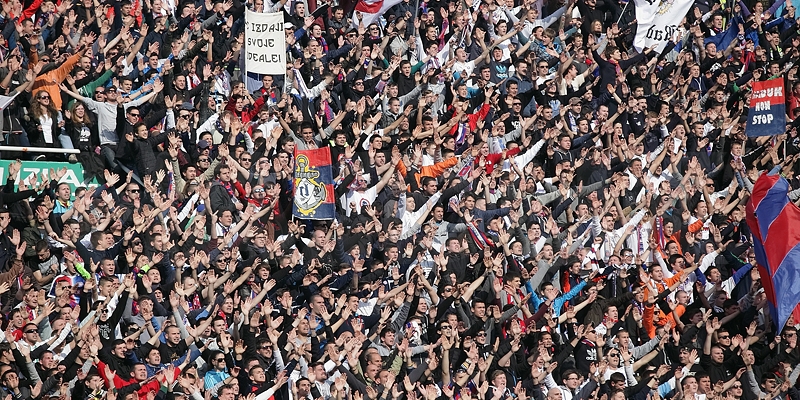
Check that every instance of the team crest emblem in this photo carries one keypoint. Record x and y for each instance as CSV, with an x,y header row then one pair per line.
x,y
309,191
664,6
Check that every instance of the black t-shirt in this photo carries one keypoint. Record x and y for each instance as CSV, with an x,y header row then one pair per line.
x,y
499,70
173,353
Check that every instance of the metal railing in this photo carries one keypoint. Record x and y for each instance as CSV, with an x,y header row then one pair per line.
x,y
39,150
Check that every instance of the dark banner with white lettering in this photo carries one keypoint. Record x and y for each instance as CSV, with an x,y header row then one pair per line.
x,y
767,109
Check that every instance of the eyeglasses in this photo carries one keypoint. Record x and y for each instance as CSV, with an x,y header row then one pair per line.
x,y
100,92
445,327
358,83
737,386
725,337
220,360
134,115
247,159
44,97
185,116
32,331
133,191
202,159
136,243
480,334
265,348
258,191
517,104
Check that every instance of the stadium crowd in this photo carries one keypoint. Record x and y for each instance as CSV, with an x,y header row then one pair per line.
x,y
527,208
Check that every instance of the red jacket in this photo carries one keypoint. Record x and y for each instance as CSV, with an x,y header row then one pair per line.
x,y
150,385
473,119
494,158
246,115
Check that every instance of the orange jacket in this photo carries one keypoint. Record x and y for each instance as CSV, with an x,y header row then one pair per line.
x,y
50,81
431,170
662,286
676,235
648,318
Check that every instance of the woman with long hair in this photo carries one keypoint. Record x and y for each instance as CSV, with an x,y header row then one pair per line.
x,y
43,122
85,137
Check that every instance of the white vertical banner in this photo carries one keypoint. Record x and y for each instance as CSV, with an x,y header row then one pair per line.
x,y
265,43
658,22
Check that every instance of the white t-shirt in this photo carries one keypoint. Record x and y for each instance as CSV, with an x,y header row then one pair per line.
x,y
361,199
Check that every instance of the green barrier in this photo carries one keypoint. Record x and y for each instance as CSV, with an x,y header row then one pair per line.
x,y
73,177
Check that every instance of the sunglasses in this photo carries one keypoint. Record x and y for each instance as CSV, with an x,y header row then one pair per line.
x,y
258,191
185,116
44,97
247,159
134,115
133,191
203,160
32,331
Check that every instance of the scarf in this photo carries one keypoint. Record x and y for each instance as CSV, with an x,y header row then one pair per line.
x,y
662,241
301,84
327,111
228,186
461,133
481,240
615,63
